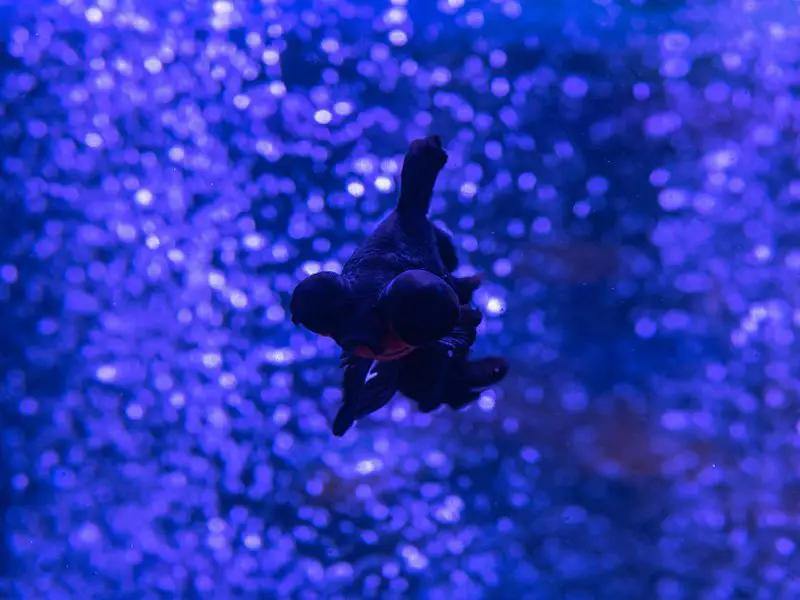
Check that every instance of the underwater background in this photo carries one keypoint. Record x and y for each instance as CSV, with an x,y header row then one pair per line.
x,y
626,175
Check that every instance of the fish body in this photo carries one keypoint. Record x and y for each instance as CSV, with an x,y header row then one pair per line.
x,y
395,292
405,240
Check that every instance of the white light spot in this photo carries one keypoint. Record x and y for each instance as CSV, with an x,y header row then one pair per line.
x,y
216,280
364,165
355,188
212,360
279,356
93,140
252,541
144,197
227,380
414,558
367,466
238,299
107,373
311,267
254,241
383,184
390,166
486,402
153,65
495,306
277,89
323,117
468,189
329,45
398,38
94,15
394,16
222,7
763,253
177,153
270,57
399,413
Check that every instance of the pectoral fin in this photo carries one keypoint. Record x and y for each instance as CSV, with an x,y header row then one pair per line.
x,y
368,386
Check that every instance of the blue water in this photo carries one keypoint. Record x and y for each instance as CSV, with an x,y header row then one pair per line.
x,y
621,174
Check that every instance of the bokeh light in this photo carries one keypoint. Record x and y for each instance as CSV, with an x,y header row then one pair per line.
x,y
624,173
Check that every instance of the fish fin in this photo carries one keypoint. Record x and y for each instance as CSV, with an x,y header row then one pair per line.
x,y
380,386
477,375
439,383
346,359
485,372
343,422
452,350
460,340
461,401
465,287
428,406
355,370
368,386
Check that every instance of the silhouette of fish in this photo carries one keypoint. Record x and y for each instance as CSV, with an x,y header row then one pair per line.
x,y
395,293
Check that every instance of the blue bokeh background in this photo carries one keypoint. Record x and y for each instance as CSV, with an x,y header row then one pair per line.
x,y
626,175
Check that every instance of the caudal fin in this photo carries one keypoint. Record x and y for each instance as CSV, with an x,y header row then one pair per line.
x,y
485,372
423,162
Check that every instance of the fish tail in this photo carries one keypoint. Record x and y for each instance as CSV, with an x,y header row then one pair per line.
x,y
414,202
485,372
423,162
344,420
